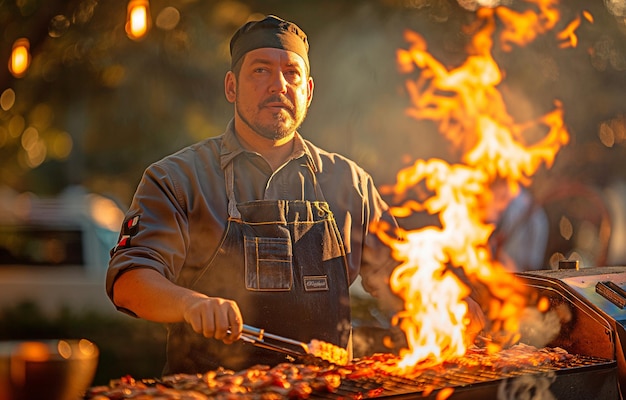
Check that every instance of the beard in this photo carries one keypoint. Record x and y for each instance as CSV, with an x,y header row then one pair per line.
x,y
283,124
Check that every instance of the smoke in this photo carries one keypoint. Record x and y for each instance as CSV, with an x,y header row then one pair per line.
x,y
616,7
359,104
527,387
538,329
473,5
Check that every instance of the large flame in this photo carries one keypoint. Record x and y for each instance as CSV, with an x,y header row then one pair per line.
x,y
438,262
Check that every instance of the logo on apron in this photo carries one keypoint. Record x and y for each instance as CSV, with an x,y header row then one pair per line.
x,y
316,283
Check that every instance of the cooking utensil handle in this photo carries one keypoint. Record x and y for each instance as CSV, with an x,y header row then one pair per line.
x,y
253,331
260,334
255,336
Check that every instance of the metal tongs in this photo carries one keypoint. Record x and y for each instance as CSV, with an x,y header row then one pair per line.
x,y
260,338
297,350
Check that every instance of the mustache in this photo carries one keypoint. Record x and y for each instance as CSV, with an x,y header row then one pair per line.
x,y
277,98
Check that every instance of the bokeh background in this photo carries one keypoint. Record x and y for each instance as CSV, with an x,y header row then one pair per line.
x,y
95,107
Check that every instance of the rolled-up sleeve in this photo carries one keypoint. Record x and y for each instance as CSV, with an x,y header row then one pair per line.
x,y
155,230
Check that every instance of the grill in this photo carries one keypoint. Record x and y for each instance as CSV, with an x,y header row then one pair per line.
x,y
585,378
580,377
590,304
590,308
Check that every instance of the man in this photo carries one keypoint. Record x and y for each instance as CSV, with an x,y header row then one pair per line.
x,y
257,225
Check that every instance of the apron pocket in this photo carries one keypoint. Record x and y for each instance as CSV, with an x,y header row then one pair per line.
x,y
268,263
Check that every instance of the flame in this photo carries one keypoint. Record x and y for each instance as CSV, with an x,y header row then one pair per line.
x,y
438,263
568,35
522,28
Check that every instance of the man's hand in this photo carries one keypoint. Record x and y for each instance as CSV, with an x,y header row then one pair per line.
x,y
151,296
213,317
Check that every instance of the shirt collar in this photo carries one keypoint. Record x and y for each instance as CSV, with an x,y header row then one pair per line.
x,y
231,147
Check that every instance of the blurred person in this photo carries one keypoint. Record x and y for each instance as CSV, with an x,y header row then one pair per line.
x,y
520,238
255,226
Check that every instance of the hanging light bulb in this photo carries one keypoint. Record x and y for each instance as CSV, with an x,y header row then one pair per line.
x,y
137,19
20,58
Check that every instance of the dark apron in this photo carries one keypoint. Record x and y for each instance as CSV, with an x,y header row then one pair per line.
x,y
284,263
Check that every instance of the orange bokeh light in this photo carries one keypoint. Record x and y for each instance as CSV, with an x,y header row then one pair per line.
x,y
138,19
20,58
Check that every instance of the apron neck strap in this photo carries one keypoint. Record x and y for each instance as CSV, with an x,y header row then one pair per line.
x,y
229,176
319,196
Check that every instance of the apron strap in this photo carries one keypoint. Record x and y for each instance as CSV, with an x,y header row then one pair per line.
x,y
229,176
319,196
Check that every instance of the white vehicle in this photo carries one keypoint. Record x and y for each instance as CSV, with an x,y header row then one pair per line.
x,y
55,251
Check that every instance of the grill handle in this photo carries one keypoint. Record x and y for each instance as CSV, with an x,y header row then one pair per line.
x,y
612,292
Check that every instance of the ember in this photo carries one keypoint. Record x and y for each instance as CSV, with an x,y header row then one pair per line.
x,y
294,381
367,377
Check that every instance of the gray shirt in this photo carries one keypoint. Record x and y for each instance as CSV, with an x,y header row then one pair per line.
x,y
180,208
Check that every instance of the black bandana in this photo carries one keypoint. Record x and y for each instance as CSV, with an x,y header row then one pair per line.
x,y
269,32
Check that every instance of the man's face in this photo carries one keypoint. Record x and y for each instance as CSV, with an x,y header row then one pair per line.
x,y
273,92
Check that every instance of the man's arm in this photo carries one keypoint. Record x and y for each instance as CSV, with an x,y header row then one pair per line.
x,y
151,296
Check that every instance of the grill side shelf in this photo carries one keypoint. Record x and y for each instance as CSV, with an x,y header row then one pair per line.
x,y
612,293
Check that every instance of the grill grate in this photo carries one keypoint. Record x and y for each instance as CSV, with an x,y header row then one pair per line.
x,y
577,377
430,381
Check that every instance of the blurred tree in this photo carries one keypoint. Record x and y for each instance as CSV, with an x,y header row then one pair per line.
x,y
95,107
100,105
